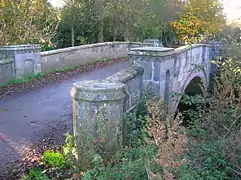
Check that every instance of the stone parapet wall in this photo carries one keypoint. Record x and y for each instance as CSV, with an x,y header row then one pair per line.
x,y
99,106
84,54
132,77
17,61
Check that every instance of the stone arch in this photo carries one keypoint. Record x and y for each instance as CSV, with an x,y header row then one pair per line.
x,y
197,75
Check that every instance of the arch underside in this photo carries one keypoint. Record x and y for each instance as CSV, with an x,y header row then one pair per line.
x,y
190,86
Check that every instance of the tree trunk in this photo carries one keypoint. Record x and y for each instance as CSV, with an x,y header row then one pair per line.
x,y
72,27
115,24
115,31
72,35
101,31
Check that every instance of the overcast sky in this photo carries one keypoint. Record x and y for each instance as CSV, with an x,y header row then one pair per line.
x,y
56,3
231,7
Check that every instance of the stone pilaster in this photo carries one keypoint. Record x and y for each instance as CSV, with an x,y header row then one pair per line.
x,y
26,58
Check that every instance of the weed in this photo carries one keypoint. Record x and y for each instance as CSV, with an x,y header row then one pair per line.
x,y
128,163
67,68
207,160
135,130
36,174
169,137
54,159
69,150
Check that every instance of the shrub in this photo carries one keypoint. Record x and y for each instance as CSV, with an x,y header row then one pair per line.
x,y
54,159
128,163
36,174
208,160
215,152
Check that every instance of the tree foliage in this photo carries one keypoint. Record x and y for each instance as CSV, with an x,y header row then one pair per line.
x,y
108,20
90,21
199,20
26,21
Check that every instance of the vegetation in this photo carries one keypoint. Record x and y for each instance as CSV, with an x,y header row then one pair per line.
x,y
27,21
36,174
81,22
214,146
199,20
53,159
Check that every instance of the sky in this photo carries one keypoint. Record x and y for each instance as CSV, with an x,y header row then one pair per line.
x,y
56,3
232,8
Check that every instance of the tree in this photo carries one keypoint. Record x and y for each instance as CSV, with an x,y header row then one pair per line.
x,y
200,20
27,21
123,20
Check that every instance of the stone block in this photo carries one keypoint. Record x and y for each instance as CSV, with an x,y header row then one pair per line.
x,y
25,57
28,67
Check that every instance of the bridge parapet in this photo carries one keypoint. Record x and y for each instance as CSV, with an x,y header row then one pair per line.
x,y
167,69
99,106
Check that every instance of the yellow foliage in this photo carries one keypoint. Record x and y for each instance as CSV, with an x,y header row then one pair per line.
x,y
199,19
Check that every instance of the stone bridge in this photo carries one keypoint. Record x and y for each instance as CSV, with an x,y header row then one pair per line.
x,y
168,70
156,70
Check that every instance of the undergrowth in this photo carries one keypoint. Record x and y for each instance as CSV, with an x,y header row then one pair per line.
x,y
214,148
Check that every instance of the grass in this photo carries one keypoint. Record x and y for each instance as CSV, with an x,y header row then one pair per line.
x,y
23,80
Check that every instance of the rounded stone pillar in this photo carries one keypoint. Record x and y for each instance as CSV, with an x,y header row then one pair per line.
x,y
98,112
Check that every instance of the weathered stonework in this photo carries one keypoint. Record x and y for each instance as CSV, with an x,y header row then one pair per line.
x,y
6,70
132,77
180,64
98,110
99,106
84,54
26,59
